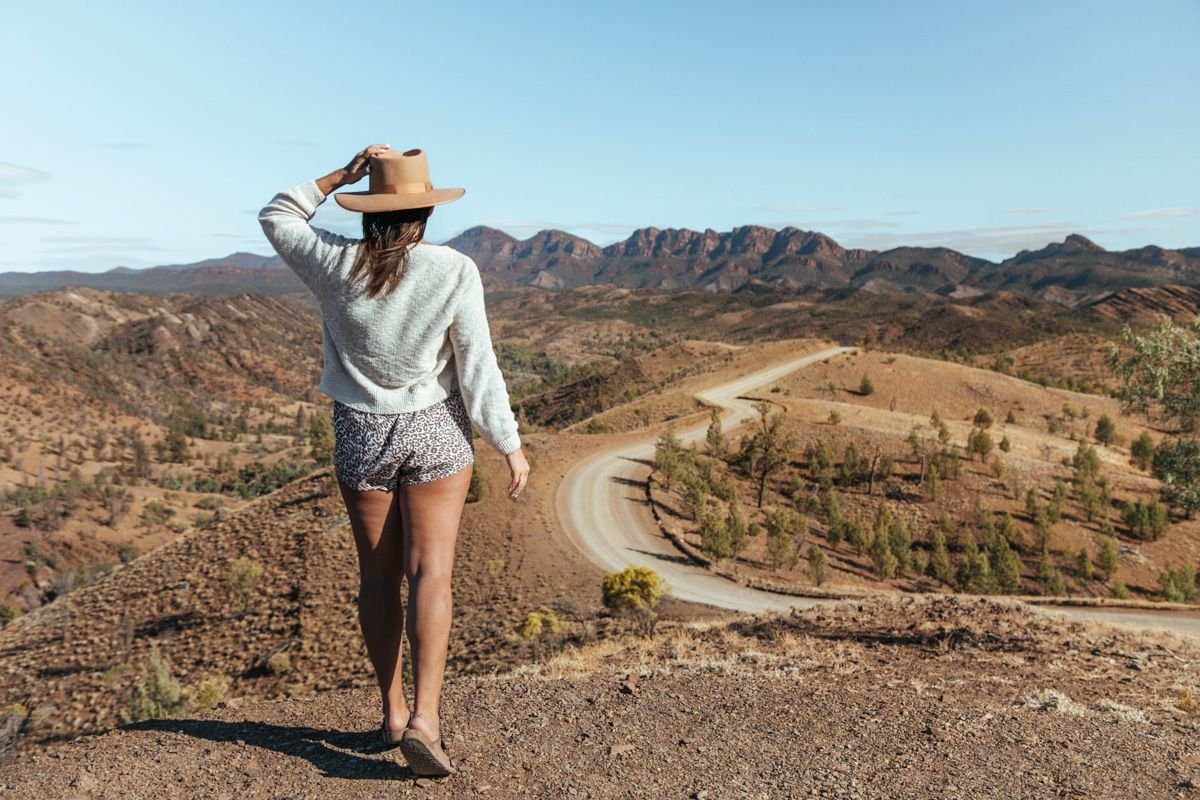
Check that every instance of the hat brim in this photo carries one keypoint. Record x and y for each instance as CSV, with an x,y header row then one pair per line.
x,y
367,201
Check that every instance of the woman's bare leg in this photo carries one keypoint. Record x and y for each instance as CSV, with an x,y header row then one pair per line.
x,y
431,513
374,518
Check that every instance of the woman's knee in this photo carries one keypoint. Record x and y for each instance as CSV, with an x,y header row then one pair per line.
x,y
379,584
429,575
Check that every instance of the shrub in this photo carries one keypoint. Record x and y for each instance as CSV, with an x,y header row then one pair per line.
x,y
279,663
538,625
240,580
1178,584
208,692
155,694
634,591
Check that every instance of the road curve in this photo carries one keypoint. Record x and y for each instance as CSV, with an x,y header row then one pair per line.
x,y
601,505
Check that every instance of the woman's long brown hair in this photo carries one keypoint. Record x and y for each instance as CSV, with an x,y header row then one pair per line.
x,y
382,258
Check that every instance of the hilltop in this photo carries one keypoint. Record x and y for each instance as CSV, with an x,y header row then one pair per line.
x,y
909,697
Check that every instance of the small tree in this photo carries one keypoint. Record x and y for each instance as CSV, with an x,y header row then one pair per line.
x,y
1049,576
321,438
979,442
1106,430
714,535
736,527
1141,452
1006,565
1083,565
769,450
882,557
932,482
816,564
634,591
939,565
784,526
715,440
695,496
668,453
1108,560
1177,464
865,387
983,418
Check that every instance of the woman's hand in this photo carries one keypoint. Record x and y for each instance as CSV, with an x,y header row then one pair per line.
x,y
356,170
520,472
353,172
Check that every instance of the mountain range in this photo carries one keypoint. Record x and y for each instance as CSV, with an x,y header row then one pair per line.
x,y
749,257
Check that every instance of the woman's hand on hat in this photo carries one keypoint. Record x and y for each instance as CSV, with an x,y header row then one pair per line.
x,y
357,169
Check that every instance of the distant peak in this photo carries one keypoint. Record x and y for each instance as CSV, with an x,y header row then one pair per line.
x,y
1082,243
480,231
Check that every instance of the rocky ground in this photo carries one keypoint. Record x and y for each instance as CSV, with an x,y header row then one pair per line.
x,y
904,697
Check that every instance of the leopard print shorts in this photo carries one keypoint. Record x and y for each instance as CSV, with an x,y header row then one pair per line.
x,y
381,451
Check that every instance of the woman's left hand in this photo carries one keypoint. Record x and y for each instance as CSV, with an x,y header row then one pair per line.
x,y
356,170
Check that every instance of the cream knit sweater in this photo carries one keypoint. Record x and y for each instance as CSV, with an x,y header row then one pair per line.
x,y
401,351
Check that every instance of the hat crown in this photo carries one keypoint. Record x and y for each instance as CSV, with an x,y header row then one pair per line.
x,y
394,172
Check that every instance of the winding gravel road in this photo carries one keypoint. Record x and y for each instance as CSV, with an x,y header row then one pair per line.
x,y
601,504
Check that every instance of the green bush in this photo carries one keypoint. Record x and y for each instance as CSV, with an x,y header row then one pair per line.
x,y
155,694
634,591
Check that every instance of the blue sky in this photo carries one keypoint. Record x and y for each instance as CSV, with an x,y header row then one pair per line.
x,y
148,133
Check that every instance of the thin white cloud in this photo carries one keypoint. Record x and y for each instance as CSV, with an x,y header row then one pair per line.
x,y
10,220
100,246
123,145
986,241
1163,213
798,208
14,177
17,175
1027,212
95,240
856,224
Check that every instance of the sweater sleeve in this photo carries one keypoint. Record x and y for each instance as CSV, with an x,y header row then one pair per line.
x,y
309,251
479,377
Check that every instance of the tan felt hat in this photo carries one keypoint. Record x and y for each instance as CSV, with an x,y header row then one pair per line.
x,y
398,181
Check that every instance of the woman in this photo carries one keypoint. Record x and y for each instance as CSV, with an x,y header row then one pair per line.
x,y
410,366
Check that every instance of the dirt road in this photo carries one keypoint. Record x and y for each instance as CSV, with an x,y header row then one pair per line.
x,y
602,507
